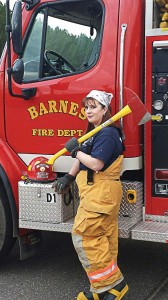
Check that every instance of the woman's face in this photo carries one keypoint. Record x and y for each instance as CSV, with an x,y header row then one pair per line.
x,y
94,112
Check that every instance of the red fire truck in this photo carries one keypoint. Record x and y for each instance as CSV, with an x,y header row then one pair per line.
x,y
56,52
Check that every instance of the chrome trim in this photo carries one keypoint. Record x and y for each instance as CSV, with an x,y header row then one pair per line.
x,y
121,78
156,32
160,44
148,14
155,218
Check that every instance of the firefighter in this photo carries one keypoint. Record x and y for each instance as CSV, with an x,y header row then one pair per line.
x,y
97,173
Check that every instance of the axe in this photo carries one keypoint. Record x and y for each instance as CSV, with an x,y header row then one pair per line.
x,y
134,106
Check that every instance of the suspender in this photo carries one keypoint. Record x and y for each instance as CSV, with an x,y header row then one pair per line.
x,y
89,171
88,151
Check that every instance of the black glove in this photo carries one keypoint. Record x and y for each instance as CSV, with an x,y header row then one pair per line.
x,y
72,146
61,184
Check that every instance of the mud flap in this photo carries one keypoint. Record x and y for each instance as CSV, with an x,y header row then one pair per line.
x,y
29,244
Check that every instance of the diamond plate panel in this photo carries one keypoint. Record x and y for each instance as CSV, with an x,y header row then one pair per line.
x,y
125,225
151,231
36,213
130,213
60,227
132,210
39,203
162,219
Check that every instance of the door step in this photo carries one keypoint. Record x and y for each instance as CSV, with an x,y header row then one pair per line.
x,y
150,231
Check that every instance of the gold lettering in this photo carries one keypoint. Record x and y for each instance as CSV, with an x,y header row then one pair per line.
x,y
50,132
34,131
66,132
39,132
80,132
63,106
43,109
71,132
52,106
42,132
33,112
73,109
82,114
60,132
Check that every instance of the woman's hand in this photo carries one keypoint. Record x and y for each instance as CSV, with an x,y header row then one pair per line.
x,y
63,183
72,146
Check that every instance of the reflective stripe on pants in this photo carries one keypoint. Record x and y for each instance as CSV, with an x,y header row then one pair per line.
x,y
97,250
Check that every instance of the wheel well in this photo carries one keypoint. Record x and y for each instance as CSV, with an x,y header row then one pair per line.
x,y
5,185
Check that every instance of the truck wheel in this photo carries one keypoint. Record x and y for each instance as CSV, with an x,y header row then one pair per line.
x,y
7,240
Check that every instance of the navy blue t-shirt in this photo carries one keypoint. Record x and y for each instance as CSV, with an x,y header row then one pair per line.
x,y
105,145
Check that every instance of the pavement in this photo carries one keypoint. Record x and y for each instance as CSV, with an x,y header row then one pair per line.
x,y
56,273
161,292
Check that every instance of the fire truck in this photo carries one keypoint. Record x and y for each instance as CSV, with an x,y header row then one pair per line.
x,y
57,52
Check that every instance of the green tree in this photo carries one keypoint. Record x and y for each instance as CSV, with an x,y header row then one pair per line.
x,y
2,26
76,49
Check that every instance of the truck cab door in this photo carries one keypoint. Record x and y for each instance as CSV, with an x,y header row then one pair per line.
x,y
69,48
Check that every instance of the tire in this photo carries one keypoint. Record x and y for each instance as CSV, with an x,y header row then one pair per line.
x,y
7,240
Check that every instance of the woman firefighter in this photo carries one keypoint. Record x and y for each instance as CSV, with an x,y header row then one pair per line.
x,y
97,172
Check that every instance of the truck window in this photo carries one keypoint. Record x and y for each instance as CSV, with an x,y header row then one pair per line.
x,y
64,40
32,51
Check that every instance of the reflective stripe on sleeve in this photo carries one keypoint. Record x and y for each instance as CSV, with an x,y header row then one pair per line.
x,y
104,273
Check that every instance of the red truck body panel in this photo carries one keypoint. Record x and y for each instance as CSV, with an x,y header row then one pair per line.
x,y
42,124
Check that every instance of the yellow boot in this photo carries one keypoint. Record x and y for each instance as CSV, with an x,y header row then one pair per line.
x,y
90,296
117,292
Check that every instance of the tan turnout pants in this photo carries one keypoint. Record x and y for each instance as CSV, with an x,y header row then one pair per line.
x,y
95,230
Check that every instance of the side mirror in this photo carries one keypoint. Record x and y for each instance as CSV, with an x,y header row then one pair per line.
x,y
17,27
18,70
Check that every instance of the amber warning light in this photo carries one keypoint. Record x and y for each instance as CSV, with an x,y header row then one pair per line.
x,y
161,174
